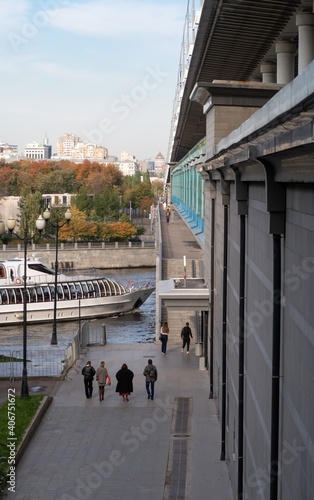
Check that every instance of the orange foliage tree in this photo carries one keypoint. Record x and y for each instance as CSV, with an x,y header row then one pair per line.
x,y
118,231
79,228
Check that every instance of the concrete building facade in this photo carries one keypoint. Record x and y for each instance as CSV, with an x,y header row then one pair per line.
x,y
256,109
35,151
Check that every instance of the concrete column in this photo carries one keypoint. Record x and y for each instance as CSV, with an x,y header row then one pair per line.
x,y
268,70
305,23
285,61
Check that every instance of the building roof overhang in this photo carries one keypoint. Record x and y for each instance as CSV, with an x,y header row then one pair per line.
x,y
194,296
232,40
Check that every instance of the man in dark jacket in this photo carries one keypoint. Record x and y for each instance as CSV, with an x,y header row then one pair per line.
x,y
89,373
150,373
186,335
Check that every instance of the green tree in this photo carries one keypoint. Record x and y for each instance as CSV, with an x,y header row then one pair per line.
x,y
30,208
83,202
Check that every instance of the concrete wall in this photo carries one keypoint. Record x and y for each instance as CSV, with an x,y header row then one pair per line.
x,y
296,435
102,258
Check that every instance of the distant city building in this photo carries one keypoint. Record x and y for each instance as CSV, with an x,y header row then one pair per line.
x,y
72,147
60,200
10,205
125,156
128,167
35,151
10,209
159,161
66,143
8,152
91,152
150,165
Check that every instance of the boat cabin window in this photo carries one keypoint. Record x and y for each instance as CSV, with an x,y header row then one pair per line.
x,y
79,291
96,289
85,289
102,288
4,296
91,289
60,292
52,291
18,295
11,296
40,294
107,287
66,291
2,271
112,287
46,291
72,290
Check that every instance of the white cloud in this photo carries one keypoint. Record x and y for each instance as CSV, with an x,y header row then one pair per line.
x,y
123,18
10,13
65,72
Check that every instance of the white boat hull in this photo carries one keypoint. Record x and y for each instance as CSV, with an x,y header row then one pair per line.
x,y
77,297
74,309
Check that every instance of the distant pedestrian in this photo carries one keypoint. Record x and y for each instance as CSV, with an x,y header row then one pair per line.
x,y
89,373
186,335
168,217
101,375
164,331
125,382
172,215
151,374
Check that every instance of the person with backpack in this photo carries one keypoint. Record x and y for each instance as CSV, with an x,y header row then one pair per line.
x,y
151,374
186,335
89,373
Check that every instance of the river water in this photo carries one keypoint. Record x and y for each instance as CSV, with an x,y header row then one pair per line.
x,y
137,326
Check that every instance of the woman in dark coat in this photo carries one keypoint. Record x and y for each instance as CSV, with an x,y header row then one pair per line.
x,y
125,382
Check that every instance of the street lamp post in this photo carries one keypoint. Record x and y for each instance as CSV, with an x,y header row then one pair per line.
x,y
40,224
58,225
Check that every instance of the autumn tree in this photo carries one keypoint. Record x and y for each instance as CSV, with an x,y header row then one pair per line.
x,y
80,227
118,231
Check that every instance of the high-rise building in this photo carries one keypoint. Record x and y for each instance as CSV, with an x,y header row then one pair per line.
x,y
66,143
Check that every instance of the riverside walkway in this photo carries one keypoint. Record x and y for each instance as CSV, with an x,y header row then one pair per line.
x,y
166,448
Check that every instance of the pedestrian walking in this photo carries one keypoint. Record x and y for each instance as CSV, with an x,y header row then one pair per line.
x,y
89,373
125,382
168,217
151,374
101,376
186,335
172,215
164,331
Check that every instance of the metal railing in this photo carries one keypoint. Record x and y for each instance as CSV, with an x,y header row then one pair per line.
x,y
82,245
50,362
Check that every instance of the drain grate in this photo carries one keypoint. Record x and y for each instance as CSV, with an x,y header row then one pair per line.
x,y
178,469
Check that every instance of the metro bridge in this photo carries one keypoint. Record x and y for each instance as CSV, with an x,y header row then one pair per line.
x,y
241,174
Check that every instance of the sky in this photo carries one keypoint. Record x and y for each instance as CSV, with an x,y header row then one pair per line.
x,y
103,70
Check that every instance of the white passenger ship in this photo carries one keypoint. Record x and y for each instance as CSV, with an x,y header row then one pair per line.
x,y
77,297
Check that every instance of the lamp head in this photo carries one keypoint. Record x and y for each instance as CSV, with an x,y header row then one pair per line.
x,y
47,214
40,224
11,224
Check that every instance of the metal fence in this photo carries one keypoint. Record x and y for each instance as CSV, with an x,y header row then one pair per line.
x,y
81,245
50,361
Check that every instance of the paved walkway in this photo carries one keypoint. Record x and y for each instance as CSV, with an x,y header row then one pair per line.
x,y
178,240
141,449
168,448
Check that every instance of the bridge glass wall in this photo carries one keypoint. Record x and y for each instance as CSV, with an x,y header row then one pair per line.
x,y
187,189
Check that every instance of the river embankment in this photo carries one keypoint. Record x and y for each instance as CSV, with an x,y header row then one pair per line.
x,y
118,255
